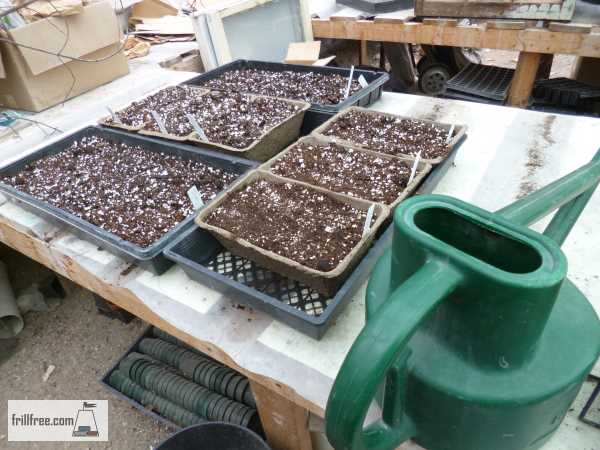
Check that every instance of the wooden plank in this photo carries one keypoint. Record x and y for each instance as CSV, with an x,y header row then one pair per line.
x,y
497,9
285,423
581,28
524,78
532,40
440,22
506,24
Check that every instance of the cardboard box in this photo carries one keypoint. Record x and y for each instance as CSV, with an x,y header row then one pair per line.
x,y
306,53
34,80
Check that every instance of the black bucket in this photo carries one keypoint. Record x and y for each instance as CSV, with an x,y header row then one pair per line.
x,y
214,436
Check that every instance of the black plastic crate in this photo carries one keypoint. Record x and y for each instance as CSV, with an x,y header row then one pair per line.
x,y
151,257
365,97
203,258
564,92
489,82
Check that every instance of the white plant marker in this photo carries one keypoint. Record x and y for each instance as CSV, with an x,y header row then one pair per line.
x,y
362,81
413,170
159,122
197,127
450,133
347,93
115,118
195,197
367,225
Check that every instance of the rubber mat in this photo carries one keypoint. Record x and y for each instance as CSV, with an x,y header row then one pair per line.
x,y
489,82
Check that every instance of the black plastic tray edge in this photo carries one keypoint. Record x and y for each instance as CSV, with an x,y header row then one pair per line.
x,y
373,8
315,327
104,382
312,326
364,97
150,258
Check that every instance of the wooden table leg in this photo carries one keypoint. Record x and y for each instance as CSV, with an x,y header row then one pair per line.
x,y
284,422
524,78
364,53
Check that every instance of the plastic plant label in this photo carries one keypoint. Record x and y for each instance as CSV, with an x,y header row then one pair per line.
x,y
450,133
197,128
347,93
114,116
369,218
195,197
362,81
159,122
413,170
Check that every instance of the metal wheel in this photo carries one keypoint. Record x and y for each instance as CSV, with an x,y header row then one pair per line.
x,y
432,81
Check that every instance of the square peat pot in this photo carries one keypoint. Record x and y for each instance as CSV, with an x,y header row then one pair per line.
x,y
150,258
206,261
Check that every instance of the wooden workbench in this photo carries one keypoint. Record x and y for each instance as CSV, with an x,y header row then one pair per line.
x,y
536,46
508,153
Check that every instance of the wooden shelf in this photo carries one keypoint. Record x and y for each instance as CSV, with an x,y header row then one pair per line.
x,y
533,40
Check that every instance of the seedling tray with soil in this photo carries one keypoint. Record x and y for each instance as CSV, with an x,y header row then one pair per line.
x,y
134,116
348,170
127,194
323,87
256,127
392,134
306,233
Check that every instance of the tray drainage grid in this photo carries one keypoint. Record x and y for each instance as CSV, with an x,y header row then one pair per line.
x,y
287,291
484,81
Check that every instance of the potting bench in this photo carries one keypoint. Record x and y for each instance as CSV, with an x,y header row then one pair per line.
x,y
508,153
536,46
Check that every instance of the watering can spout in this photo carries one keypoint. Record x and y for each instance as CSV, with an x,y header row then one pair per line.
x,y
467,314
571,193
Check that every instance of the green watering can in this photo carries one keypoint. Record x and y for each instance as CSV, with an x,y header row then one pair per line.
x,y
475,339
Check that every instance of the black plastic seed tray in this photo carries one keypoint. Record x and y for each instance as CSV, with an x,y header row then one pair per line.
x,y
365,97
314,119
204,259
566,93
489,82
151,257
377,6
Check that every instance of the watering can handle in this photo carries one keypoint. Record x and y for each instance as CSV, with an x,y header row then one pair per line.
x,y
380,350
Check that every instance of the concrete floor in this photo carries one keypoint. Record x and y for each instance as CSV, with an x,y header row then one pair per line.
x,y
83,345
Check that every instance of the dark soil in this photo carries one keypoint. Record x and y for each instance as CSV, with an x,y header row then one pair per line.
x,y
345,170
138,113
231,119
391,135
311,87
126,190
293,221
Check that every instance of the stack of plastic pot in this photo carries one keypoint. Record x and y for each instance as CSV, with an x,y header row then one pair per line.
x,y
183,385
